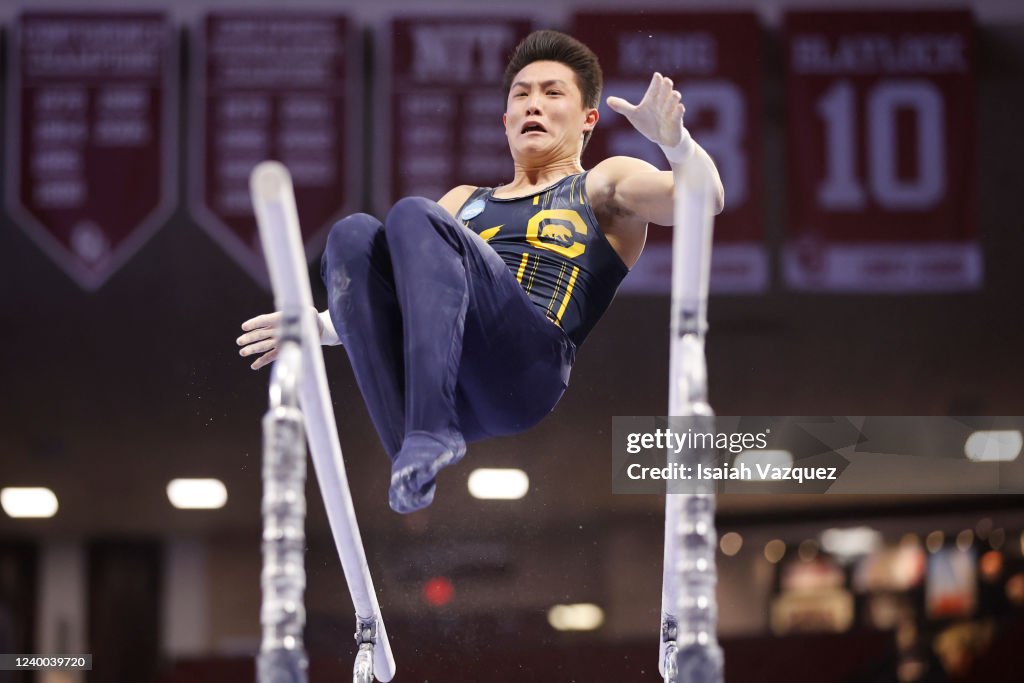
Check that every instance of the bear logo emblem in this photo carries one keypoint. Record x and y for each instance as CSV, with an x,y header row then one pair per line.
x,y
556,233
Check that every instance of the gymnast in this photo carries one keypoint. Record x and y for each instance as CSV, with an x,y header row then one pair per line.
x,y
461,318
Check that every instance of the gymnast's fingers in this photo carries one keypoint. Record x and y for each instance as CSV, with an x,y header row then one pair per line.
x,y
620,106
259,347
256,335
264,360
652,88
667,93
265,320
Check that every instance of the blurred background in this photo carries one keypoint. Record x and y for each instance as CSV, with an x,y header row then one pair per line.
x,y
869,262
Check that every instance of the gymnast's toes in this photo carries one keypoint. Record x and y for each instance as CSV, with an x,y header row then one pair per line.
x,y
415,469
411,489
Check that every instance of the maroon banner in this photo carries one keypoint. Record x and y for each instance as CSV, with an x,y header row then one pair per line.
x,y
441,112
881,152
714,61
91,157
273,85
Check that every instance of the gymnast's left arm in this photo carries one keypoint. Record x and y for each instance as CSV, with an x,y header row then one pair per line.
x,y
639,187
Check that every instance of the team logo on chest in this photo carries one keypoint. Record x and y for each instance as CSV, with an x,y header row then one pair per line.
x,y
562,231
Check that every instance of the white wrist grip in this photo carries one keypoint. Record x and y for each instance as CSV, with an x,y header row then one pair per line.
x,y
682,150
329,337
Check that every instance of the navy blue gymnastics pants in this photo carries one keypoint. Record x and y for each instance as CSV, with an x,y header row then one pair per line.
x,y
444,343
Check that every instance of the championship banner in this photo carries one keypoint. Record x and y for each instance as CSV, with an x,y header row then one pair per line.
x,y
92,135
714,61
881,152
440,114
282,86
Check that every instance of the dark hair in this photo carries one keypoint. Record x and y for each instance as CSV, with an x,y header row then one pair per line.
x,y
554,46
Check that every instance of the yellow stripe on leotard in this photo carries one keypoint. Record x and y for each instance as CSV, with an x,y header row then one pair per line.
x,y
568,294
522,267
554,292
533,272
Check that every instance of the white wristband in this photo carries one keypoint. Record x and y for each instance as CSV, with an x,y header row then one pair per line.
x,y
682,150
329,337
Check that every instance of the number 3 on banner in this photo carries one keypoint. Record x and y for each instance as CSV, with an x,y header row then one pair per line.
x,y
841,189
723,141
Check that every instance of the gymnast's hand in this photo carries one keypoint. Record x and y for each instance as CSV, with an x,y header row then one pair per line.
x,y
659,116
261,337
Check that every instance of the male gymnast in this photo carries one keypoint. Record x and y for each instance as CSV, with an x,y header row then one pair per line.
x,y
462,318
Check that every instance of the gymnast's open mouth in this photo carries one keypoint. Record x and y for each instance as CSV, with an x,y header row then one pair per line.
x,y
533,127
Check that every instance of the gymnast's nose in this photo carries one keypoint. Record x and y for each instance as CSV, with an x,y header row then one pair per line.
x,y
532,104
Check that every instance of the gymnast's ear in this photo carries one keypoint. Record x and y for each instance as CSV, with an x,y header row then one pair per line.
x,y
591,120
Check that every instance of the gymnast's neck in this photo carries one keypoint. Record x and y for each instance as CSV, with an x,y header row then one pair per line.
x,y
536,174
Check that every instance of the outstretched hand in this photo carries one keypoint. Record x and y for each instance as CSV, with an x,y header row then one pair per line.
x,y
659,116
261,337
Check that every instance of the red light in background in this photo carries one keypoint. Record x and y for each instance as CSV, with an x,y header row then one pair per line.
x,y
991,565
438,591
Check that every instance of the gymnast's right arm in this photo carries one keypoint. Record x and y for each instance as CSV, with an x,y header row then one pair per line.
x,y
261,336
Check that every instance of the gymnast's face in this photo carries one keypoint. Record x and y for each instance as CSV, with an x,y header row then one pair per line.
x,y
544,117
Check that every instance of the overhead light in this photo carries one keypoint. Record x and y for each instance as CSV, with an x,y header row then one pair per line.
x,y
774,550
197,494
910,540
773,458
28,501
498,484
579,617
934,541
994,446
983,528
807,550
849,543
731,543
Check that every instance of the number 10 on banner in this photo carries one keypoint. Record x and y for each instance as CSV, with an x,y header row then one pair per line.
x,y
900,174
881,152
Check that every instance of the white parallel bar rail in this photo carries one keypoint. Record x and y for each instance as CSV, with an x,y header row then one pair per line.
x,y
689,651
274,202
